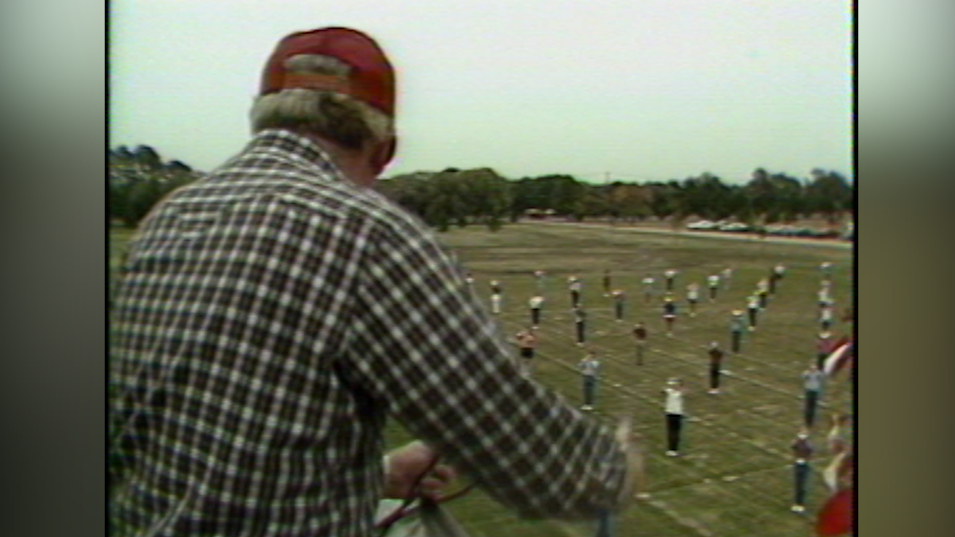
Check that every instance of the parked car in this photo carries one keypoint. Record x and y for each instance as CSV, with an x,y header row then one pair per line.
x,y
702,225
782,230
803,232
734,226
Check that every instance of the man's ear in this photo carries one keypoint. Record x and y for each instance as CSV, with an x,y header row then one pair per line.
x,y
382,154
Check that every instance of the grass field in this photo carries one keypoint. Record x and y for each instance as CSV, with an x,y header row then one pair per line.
x,y
735,477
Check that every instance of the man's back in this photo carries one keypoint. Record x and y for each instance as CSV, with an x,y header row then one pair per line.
x,y
229,327
269,317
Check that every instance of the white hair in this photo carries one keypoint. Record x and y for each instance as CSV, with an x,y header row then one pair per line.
x,y
341,118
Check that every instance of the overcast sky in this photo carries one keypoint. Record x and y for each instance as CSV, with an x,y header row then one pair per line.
x,y
642,90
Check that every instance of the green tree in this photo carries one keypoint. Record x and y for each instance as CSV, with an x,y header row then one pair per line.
x,y
592,202
444,200
137,179
487,196
707,197
528,193
830,194
628,201
761,192
564,193
664,199
409,190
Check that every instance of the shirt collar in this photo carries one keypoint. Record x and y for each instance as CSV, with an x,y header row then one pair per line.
x,y
301,150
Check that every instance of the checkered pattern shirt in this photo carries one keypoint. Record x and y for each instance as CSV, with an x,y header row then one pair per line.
x,y
268,319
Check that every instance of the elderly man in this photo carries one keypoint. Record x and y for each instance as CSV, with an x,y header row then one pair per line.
x,y
273,314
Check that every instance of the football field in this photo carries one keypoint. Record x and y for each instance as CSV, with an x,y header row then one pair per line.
x,y
734,476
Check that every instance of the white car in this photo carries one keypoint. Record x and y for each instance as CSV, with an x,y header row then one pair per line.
x,y
734,226
702,224
784,230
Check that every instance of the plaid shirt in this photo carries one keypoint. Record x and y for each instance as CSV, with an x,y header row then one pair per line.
x,y
270,315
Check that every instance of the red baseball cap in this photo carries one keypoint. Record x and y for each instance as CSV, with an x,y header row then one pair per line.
x,y
372,79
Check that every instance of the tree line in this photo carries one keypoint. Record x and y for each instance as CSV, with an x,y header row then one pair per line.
x,y
460,197
138,178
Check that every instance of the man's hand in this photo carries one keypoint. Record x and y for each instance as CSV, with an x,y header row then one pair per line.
x,y
407,463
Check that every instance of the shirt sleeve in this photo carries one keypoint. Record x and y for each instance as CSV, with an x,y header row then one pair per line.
x,y
425,348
